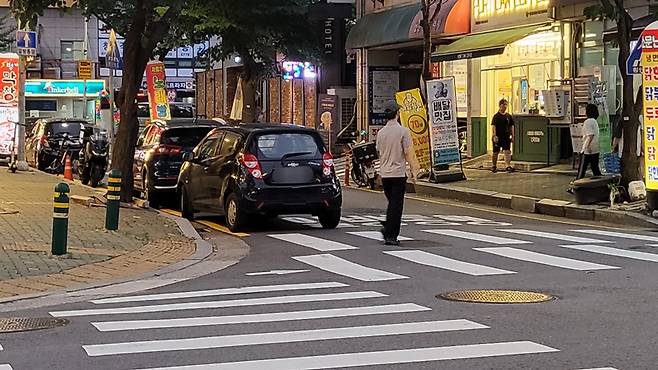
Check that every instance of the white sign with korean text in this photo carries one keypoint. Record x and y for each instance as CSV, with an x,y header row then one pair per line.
x,y
442,108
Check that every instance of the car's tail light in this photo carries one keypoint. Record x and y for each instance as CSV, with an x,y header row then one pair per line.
x,y
327,164
250,162
168,150
44,141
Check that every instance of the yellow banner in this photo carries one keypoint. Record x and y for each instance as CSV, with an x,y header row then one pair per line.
x,y
650,85
413,116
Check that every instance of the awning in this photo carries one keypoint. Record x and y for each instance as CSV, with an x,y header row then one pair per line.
x,y
638,26
402,24
483,44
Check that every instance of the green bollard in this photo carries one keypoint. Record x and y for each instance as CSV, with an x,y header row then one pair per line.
x,y
60,219
113,200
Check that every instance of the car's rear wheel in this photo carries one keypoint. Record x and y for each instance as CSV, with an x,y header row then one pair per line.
x,y
329,219
185,205
149,194
235,217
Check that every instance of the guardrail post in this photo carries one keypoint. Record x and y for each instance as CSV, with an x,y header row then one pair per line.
x,y
113,200
60,219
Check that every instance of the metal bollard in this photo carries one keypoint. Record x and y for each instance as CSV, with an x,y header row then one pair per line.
x,y
60,219
113,200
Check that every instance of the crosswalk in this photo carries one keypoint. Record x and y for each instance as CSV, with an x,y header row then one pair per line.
x,y
396,328
4,366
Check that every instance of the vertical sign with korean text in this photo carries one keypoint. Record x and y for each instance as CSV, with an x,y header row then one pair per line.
x,y
414,117
442,105
8,101
649,64
156,86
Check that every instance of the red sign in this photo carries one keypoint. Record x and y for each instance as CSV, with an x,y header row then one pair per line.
x,y
9,74
156,86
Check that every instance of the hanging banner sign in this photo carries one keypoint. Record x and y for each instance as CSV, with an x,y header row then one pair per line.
x,y
442,104
8,101
157,91
649,64
414,117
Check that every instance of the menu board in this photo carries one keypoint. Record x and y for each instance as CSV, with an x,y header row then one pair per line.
x,y
384,83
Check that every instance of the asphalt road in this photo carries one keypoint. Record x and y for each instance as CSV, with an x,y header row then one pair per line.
x,y
340,299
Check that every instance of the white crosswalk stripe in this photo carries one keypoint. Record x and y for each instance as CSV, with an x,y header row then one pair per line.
x,y
643,256
6,367
600,368
376,235
434,260
476,237
221,304
322,245
545,259
546,235
337,265
280,337
220,292
405,356
260,317
615,234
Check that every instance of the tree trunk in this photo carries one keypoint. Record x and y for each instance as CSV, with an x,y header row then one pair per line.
x,y
427,40
249,83
630,163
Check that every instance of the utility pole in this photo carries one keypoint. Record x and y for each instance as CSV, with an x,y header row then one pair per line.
x,y
21,165
84,81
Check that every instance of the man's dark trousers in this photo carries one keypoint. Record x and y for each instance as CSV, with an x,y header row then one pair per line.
x,y
394,188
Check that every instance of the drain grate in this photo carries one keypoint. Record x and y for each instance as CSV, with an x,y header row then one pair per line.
x,y
16,324
496,296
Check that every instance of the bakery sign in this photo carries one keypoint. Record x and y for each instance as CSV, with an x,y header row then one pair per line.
x,y
495,14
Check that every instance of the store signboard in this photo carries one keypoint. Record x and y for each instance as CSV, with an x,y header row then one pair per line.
x,y
53,88
413,116
442,106
649,64
8,101
497,14
156,87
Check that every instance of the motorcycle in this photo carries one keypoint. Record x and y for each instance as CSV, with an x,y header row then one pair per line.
x,y
57,165
93,160
363,171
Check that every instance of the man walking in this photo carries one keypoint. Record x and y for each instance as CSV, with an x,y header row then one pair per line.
x,y
395,150
503,135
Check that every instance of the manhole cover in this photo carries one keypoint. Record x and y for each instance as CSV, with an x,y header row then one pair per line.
x,y
496,296
15,324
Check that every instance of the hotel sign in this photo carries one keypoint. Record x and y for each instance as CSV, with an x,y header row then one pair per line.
x,y
496,14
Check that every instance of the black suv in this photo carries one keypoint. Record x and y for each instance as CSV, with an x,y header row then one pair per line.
x,y
43,142
159,155
258,169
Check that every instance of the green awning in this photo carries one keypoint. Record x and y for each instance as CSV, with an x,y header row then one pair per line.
x,y
483,44
382,28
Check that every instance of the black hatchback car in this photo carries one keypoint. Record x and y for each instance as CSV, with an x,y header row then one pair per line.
x,y
259,169
43,142
159,155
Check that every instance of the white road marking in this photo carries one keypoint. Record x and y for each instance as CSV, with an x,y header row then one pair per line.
x,y
280,337
376,235
545,259
475,236
6,367
1,347
600,368
615,234
319,244
276,272
568,238
400,356
337,265
222,304
615,252
430,259
259,318
220,292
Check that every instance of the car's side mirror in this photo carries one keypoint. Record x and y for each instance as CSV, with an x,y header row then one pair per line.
x,y
188,156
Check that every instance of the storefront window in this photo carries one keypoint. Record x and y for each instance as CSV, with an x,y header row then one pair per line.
x,y
458,69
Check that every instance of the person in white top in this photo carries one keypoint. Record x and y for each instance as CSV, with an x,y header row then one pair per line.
x,y
395,149
590,150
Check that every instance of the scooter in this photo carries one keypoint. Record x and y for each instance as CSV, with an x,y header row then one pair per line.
x,y
93,159
57,165
363,171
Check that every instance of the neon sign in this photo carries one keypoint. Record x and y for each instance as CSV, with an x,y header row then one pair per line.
x,y
495,8
298,70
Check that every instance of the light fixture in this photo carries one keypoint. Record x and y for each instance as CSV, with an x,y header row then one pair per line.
x,y
237,59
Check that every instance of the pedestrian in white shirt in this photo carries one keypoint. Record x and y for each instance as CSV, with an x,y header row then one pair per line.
x,y
590,150
395,149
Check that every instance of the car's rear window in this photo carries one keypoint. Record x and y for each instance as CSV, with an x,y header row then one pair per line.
x,y
187,137
59,128
274,146
177,111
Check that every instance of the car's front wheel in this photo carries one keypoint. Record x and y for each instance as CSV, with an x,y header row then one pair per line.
x,y
235,217
329,219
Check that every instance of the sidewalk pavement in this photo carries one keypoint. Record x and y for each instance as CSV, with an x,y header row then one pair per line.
x,y
144,242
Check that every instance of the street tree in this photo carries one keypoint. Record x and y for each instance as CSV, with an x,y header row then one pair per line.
x,y
430,10
631,108
6,33
258,32
149,27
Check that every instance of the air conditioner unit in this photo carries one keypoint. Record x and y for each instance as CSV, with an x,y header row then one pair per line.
x,y
52,73
346,102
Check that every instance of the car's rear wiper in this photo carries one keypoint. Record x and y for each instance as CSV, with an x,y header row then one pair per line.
x,y
295,154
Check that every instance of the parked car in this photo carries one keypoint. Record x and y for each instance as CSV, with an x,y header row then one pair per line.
x,y
42,145
159,155
177,109
260,170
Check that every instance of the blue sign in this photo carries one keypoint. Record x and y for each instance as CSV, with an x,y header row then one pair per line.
x,y
633,61
63,87
26,42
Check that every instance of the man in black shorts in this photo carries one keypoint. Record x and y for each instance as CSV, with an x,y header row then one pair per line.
x,y
502,125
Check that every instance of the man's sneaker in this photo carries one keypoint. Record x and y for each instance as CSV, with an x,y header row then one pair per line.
x,y
390,241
